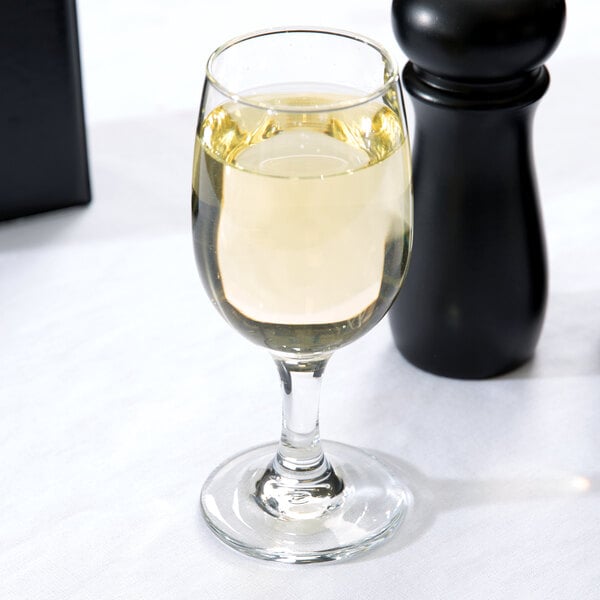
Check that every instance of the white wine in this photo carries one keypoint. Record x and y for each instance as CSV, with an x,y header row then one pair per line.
x,y
302,217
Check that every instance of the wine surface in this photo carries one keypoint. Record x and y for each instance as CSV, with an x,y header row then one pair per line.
x,y
302,217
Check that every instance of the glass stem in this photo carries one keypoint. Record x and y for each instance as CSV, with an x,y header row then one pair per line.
x,y
300,483
300,454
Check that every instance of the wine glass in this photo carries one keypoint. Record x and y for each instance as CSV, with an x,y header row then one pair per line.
x,y
302,227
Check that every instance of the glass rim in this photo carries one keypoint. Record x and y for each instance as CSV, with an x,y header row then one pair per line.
x,y
391,73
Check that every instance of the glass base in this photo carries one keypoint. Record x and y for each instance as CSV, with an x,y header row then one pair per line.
x,y
372,503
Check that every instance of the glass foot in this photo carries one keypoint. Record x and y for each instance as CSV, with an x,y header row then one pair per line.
x,y
370,503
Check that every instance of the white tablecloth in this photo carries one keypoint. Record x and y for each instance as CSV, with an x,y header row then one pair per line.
x,y
121,388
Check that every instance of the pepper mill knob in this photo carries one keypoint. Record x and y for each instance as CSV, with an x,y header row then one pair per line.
x,y
473,302
475,39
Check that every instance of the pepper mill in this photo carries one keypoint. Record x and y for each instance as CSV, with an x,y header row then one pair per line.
x,y
473,302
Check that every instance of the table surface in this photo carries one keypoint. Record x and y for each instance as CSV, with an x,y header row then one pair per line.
x,y
121,388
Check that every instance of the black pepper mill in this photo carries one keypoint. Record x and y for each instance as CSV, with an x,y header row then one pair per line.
x,y
473,302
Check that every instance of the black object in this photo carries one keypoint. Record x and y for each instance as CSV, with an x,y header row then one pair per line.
x,y
473,302
43,158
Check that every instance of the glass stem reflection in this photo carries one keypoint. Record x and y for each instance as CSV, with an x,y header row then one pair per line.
x,y
300,483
